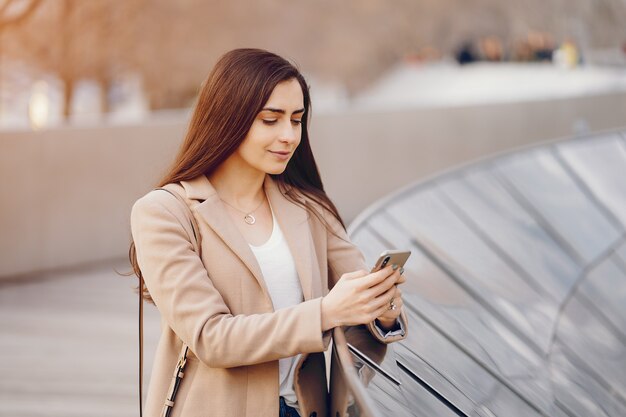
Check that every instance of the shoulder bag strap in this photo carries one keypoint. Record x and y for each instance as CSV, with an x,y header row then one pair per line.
x,y
182,358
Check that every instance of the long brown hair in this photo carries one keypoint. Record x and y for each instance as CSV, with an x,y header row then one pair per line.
x,y
232,95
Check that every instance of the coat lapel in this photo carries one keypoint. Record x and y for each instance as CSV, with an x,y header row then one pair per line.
x,y
291,218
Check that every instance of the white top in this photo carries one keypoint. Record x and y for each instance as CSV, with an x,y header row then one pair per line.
x,y
280,275
281,278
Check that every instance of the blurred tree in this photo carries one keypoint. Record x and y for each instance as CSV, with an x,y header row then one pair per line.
x,y
351,42
76,40
13,12
173,44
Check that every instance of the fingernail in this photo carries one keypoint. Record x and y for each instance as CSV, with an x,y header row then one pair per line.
x,y
401,270
394,267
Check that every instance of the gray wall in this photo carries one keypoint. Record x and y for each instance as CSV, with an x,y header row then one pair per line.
x,y
67,192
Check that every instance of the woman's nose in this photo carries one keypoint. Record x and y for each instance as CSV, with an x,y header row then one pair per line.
x,y
288,134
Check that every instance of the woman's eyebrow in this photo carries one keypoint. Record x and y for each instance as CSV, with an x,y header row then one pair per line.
x,y
281,111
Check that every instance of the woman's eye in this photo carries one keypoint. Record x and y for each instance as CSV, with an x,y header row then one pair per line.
x,y
273,121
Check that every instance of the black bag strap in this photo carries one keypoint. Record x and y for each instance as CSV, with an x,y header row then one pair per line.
x,y
182,358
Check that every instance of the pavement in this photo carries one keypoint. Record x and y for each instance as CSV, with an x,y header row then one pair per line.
x,y
68,343
441,85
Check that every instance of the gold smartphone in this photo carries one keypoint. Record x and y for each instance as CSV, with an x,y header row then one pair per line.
x,y
391,257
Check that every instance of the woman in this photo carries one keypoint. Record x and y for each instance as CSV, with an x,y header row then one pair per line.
x,y
276,271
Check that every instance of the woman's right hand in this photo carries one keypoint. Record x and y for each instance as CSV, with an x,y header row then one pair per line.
x,y
359,297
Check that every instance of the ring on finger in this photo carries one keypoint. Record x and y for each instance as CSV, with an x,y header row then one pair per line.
x,y
392,305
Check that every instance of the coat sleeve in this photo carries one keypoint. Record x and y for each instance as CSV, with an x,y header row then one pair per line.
x,y
195,310
343,257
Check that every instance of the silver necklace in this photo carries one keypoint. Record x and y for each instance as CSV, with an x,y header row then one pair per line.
x,y
248,217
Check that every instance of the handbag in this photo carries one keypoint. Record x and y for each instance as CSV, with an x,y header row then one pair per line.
x,y
182,357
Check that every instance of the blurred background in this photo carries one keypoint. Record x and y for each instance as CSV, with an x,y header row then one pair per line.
x,y
95,97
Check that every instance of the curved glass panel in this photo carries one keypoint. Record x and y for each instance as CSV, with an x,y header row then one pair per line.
x,y
541,182
601,163
507,226
516,288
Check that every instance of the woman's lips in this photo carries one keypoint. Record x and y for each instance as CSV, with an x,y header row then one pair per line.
x,y
281,155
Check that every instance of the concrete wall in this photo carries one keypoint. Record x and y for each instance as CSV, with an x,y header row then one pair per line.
x,y
67,193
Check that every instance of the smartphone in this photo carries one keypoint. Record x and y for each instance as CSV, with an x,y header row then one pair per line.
x,y
390,257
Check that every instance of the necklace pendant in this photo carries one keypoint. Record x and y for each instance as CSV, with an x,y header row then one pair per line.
x,y
249,218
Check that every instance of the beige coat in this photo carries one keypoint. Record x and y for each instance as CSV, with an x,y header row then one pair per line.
x,y
220,307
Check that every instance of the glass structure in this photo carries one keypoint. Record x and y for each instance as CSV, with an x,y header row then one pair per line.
x,y
516,287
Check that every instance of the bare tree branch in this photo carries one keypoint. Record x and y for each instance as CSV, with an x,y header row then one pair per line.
x,y
6,21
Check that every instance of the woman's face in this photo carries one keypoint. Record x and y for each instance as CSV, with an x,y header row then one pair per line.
x,y
276,130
